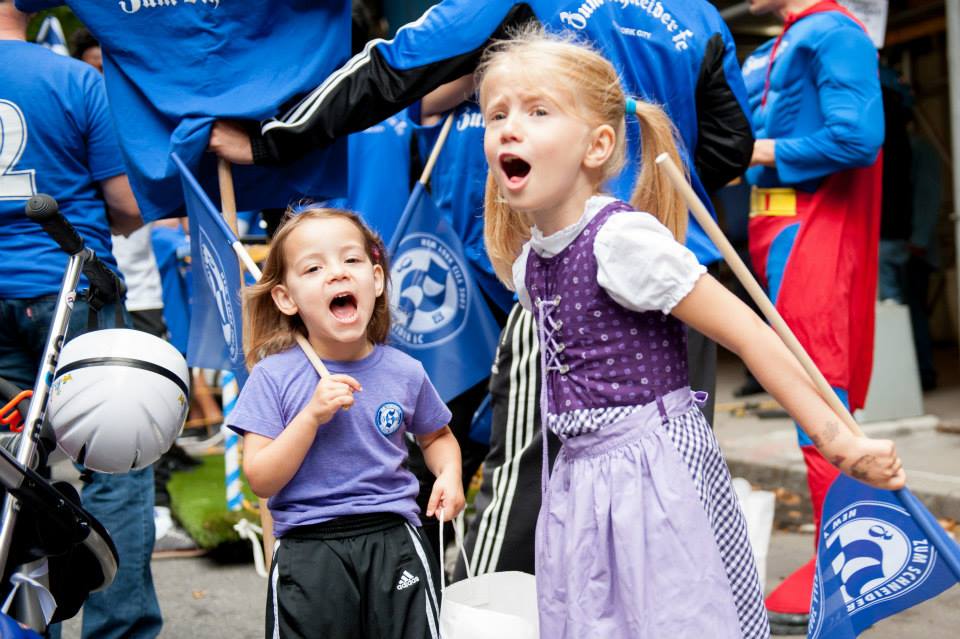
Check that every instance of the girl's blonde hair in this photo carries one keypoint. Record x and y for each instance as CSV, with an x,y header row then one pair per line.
x,y
267,330
582,78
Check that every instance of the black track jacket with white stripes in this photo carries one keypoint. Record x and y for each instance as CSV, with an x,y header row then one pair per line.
x,y
678,53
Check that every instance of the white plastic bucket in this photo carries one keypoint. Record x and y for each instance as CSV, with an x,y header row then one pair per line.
x,y
758,506
497,604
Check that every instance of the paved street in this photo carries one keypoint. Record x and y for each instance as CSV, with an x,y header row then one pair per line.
x,y
205,600
763,448
208,601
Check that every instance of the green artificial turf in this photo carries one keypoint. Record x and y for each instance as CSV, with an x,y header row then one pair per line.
x,y
198,500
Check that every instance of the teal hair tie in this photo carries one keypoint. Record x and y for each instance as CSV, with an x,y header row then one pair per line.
x,y
631,106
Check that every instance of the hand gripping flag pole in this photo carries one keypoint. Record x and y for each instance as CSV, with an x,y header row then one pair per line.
x,y
852,599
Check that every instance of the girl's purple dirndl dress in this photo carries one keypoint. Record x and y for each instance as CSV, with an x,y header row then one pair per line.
x,y
640,534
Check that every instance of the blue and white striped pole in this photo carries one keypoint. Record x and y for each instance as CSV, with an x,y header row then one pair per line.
x,y
231,444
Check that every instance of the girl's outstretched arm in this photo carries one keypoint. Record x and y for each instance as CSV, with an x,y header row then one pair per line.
x,y
441,452
717,313
270,463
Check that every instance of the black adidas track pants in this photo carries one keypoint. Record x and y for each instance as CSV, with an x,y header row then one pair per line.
x,y
357,577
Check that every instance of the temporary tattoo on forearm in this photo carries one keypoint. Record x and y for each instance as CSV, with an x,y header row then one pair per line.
x,y
859,468
829,433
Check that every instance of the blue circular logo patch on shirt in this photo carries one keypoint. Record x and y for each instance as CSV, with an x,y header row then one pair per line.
x,y
389,418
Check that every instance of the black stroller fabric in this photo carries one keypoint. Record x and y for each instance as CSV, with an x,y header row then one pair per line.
x,y
51,524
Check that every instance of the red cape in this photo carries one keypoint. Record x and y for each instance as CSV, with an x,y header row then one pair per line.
x,y
829,287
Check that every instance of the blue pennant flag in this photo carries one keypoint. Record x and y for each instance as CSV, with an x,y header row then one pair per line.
x,y
880,553
439,315
216,317
50,35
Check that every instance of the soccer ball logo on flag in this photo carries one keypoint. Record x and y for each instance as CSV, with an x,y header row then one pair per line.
x,y
874,558
429,296
879,553
214,273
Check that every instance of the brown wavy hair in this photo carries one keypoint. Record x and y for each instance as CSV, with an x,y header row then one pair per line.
x,y
588,84
267,330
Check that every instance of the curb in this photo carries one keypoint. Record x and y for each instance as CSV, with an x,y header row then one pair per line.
x,y
773,462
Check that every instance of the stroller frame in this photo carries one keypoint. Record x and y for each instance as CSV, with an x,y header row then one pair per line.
x,y
16,475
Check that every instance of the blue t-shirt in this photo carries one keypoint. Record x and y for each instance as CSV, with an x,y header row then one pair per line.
x,y
379,181
171,68
56,137
356,463
457,184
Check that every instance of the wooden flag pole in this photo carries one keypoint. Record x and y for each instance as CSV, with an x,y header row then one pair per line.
x,y
756,293
946,546
424,178
934,532
228,199
228,203
435,152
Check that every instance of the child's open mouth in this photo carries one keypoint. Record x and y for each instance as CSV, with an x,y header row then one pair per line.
x,y
515,169
344,307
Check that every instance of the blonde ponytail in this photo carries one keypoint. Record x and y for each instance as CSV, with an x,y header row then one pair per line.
x,y
653,192
504,232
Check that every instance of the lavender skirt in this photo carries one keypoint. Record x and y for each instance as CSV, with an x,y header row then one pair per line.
x,y
641,536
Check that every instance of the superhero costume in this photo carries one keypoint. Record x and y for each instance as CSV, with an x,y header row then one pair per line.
x,y
815,216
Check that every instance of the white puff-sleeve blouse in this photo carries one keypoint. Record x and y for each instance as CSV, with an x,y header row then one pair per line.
x,y
639,263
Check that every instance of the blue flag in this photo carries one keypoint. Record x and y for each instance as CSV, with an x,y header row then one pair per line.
x,y
879,553
438,313
172,68
216,316
50,35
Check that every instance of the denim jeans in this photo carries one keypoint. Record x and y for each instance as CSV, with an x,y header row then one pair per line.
x,y
891,275
122,503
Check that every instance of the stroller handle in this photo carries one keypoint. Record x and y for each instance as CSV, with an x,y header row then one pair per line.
x,y
45,211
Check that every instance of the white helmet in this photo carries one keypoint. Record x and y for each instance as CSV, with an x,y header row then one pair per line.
x,y
118,400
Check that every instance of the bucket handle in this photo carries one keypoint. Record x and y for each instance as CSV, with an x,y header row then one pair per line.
x,y
458,537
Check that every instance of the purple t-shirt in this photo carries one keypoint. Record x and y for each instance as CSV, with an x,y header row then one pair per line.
x,y
356,463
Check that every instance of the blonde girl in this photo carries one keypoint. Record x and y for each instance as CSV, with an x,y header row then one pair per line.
x,y
349,560
640,534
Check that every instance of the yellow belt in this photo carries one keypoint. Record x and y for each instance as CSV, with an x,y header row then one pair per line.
x,y
773,202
